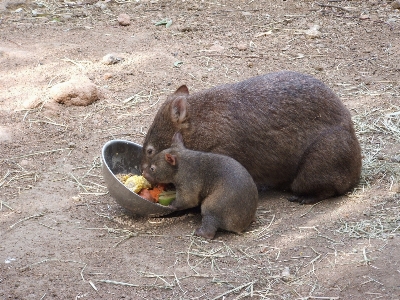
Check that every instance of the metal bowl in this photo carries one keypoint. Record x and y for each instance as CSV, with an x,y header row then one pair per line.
x,y
123,157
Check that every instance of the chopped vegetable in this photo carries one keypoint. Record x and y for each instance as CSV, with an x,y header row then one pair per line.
x,y
137,183
166,197
155,191
140,186
145,193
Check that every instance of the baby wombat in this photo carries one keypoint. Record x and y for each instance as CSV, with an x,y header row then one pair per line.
x,y
223,187
289,130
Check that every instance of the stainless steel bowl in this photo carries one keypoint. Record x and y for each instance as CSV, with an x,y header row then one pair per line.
x,y
123,157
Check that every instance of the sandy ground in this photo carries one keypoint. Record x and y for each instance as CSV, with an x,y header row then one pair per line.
x,y
63,237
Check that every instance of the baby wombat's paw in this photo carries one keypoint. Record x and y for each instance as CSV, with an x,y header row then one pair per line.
x,y
208,234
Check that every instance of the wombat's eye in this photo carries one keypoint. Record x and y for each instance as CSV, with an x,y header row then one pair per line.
x,y
152,168
149,151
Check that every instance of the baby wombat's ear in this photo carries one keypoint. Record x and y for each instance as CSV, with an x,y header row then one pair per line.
x,y
177,140
171,159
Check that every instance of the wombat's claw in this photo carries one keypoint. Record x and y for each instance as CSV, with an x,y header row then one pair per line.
x,y
208,235
302,200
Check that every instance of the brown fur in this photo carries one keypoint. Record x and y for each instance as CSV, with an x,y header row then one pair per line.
x,y
289,130
225,190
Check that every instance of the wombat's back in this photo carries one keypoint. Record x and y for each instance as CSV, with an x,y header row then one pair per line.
x,y
266,122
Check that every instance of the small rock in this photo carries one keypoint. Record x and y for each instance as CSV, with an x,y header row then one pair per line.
x,y
313,32
124,20
101,5
5,134
396,4
111,59
217,48
79,91
242,47
24,163
395,159
107,76
18,10
71,145
396,188
286,276
364,17
319,68
32,102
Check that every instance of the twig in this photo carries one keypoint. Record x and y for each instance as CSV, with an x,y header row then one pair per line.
x,y
234,290
133,285
37,153
75,63
333,6
92,285
366,260
50,260
83,278
309,209
229,55
27,218
5,204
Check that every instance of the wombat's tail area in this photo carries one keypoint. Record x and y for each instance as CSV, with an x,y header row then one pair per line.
x,y
331,166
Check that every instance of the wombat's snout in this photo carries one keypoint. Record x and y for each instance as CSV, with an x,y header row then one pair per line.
x,y
148,177
143,167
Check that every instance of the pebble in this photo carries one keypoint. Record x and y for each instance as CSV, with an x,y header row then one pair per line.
x,y
217,48
78,91
313,32
242,47
107,76
5,134
111,59
101,5
395,159
33,101
124,20
396,4
319,68
24,163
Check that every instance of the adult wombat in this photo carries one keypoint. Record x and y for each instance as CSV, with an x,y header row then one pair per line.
x,y
223,187
289,130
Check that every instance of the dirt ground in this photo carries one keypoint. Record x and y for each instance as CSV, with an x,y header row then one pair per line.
x,y
63,237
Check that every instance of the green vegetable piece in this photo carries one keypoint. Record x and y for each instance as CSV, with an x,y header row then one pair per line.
x,y
166,197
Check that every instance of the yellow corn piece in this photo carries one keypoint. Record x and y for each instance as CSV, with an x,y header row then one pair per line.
x,y
136,183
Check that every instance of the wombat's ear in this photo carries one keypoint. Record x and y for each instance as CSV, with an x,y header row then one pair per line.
x,y
171,159
177,140
183,89
179,111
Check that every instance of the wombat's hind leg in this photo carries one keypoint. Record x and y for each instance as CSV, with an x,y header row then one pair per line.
x,y
208,228
330,167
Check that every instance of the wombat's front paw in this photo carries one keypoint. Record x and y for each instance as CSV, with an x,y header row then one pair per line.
x,y
204,233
